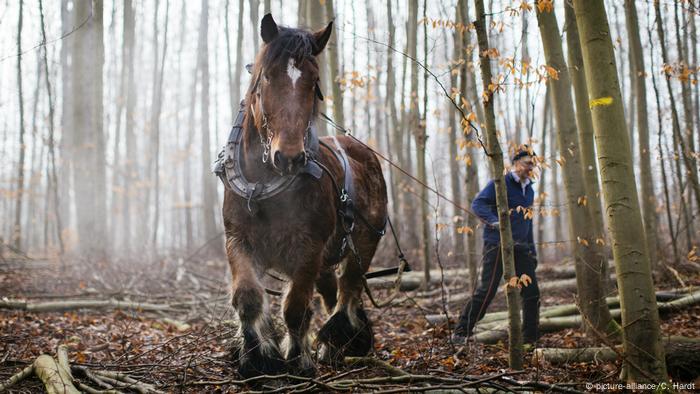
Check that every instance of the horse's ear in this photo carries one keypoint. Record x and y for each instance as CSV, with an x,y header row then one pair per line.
x,y
321,38
268,28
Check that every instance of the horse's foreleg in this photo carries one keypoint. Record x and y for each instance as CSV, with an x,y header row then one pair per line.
x,y
348,332
297,315
327,286
259,354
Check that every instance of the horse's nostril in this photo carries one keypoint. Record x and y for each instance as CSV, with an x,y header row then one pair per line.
x,y
300,159
279,160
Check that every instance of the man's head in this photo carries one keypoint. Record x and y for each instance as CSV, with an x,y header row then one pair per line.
x,y
523,161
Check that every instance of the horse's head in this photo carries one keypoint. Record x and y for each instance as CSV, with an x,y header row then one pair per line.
x,y
283,95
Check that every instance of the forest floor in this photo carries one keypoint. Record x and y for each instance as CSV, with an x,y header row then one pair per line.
x,y
179,334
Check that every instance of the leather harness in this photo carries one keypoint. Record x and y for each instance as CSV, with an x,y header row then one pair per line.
x,y
228,167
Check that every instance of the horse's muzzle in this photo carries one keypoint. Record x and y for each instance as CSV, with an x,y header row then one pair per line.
x,y
289,165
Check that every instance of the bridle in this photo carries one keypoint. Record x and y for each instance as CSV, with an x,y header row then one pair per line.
x,y
266,142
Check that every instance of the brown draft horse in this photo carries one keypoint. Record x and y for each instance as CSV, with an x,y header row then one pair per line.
x,y
297,232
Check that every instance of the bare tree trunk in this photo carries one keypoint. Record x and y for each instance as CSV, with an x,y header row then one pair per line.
x,y
685,153
453,127
237,69
155,122
66,144
588,255
17,230
89,172
543,137
231,86
209,204
131,163
315,17
255,21
335,70
644,360
686,99
467,88
418,131
664,178
393,122
51,175
515,340
639,80
35,161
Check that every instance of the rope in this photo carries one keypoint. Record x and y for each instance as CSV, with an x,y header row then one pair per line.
x,y
406,173
397,282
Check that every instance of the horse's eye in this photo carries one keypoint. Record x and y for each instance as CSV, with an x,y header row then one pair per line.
x,y
266,78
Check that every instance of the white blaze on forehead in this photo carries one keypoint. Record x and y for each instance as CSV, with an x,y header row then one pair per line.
x,y
293,72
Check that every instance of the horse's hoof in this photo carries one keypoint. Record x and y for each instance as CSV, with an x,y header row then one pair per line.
x,y
299,367
328,355
343,339
253,363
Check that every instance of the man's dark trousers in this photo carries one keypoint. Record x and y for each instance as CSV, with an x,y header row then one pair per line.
x,y
491,274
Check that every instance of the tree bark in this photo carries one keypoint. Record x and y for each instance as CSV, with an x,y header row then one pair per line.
x,y
17,230
210,207
515,340
467,88
393,126
131,163
335,68
640,319
66,143
89,173
589,257
639,81
51,173
453,128
421,138
685,153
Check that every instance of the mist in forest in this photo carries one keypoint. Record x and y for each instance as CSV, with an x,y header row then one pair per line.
x,y
111,113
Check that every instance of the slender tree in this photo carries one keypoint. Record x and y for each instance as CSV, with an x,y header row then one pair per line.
x,y
131,163
644,359
209,204
51,172
515,339
393,122
89,144
238,68
589,259
468,89
335,68
255,22
155,122
685,153
453,128
639,81
17,231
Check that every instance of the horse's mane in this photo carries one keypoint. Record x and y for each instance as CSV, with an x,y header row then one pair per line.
x,y
289,43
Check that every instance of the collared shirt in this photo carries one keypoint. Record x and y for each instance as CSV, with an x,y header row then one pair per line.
x,y
523,185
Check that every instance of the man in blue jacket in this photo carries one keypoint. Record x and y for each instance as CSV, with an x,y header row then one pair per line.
x,y
520,194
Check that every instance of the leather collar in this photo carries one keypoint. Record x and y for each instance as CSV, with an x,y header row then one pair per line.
x,y
228,166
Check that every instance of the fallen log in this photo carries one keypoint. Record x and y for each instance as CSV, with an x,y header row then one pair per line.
x,y
682,356
561,284
60,306
497,331
413,280
570,309
493,334
56,379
